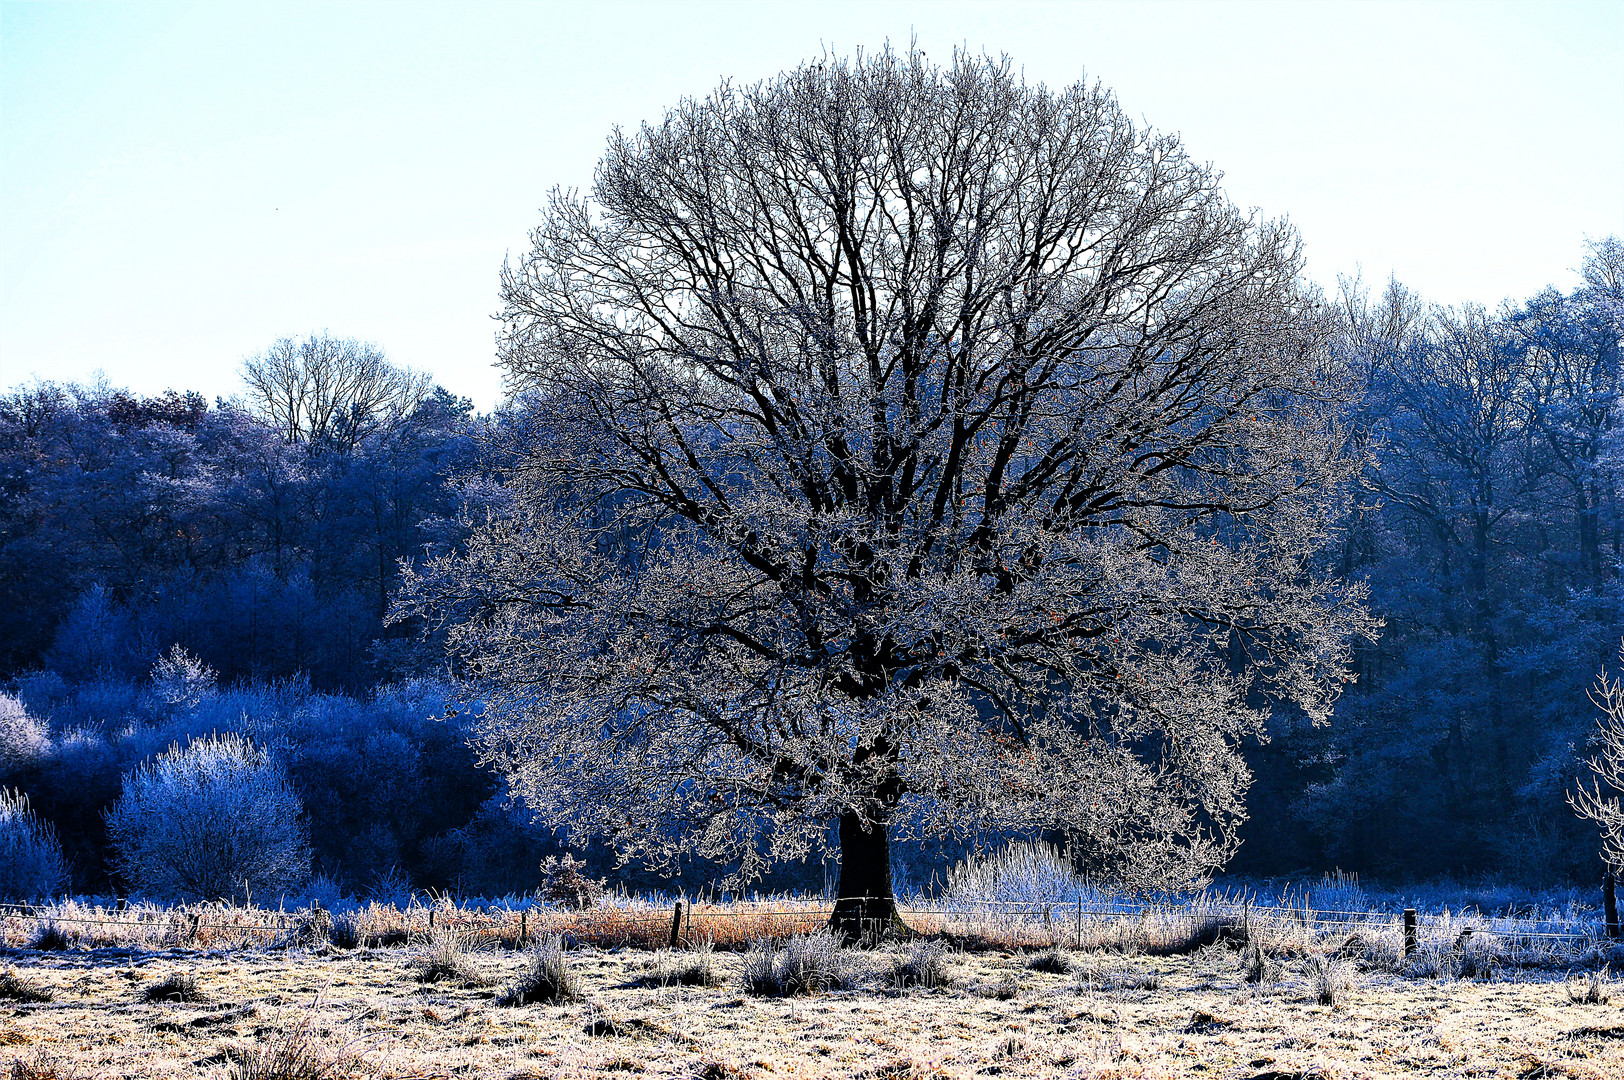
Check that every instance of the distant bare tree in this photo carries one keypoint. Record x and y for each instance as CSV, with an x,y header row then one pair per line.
x,y
910,449
1598,800
1603,269
330,393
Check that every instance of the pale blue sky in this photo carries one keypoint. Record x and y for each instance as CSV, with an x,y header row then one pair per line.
x,y
182,184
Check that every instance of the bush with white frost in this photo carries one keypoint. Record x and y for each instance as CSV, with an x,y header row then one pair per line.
x,y
213,819
180,680
23,739
31,863
1025,872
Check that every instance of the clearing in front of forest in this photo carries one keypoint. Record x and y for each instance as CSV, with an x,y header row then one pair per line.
x,y
1217,1012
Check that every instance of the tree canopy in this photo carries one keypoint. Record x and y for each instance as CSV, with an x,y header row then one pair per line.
x,y
910,448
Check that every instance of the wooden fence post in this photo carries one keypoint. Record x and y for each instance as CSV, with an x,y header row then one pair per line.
x,y
1609,902
676,925
192,935
1409,931
524,928
431,920
1079,921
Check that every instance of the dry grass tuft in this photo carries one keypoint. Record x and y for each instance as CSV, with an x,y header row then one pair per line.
x,y
46,1066
1090,976
1132,979
1373,951
1052,961
298,1053
447,959
1478,956
805,964
924,964
1593,989
1193,934
314,930
347,930
695,968
176,986
1257,966
1330,979
14,987
546,980
605,1026
736,927
1007,988
51,938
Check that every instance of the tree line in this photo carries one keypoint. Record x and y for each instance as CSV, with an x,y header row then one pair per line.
x,y
263,533
1488,525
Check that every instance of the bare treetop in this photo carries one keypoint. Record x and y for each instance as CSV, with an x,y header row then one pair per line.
x,y
330,393
912,448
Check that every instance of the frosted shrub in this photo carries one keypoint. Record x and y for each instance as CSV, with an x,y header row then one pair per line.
x,y
1338,891
180,680
92,642
209,821
31,864
320,891
22,738
1599,801
1021,873
562,882
391,888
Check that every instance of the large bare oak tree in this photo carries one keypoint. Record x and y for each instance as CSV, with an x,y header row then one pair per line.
x,y
907,448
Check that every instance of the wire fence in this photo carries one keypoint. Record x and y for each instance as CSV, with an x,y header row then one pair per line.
x,y
652,923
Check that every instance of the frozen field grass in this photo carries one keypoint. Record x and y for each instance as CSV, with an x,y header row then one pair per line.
x,y
367,1013
1216,989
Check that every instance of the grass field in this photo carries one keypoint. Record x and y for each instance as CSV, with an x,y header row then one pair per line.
x,y
304,1014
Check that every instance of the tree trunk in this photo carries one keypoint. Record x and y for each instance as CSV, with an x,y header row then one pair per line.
x,y
1590,536
1609,902
865,908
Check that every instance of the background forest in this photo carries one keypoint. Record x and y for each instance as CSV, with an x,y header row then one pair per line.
x,y
263,536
